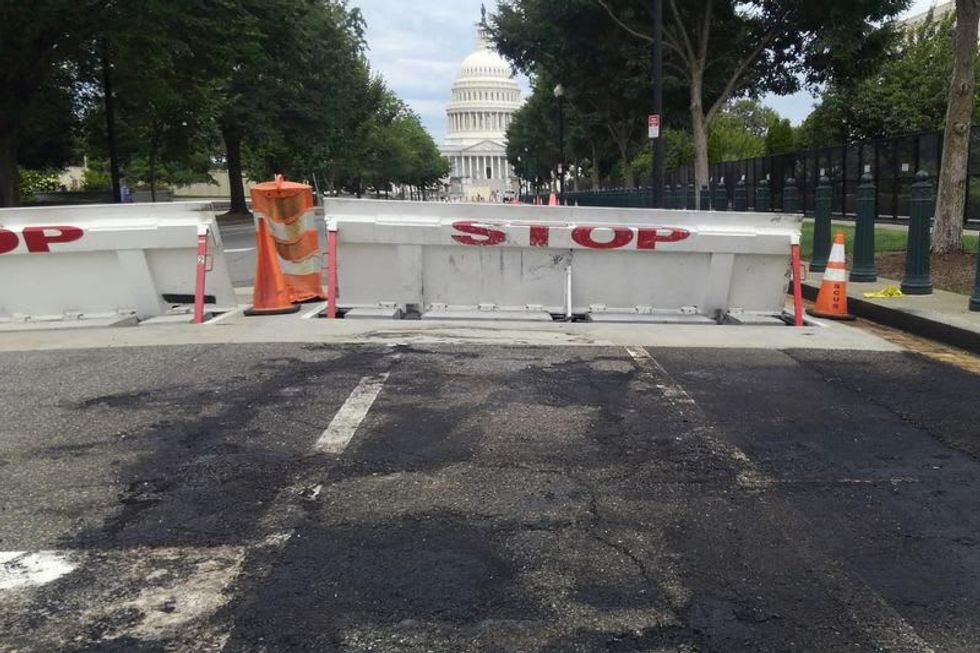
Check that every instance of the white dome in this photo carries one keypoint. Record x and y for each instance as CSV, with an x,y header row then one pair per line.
x,y
483,63
485,96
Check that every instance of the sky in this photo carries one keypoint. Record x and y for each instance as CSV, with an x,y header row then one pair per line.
x,y
417,47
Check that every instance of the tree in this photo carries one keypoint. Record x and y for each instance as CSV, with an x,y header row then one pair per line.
x,y
953,176
729,48
294,93
36,46
906,94
779,138
162,65
606,78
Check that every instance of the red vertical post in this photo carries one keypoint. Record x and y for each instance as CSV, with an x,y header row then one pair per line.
x,y
202,272
797,285
331,271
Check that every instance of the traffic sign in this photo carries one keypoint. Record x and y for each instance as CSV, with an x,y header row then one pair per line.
x,y
653,123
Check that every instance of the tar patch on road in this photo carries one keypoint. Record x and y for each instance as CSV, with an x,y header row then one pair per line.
x,y
490,499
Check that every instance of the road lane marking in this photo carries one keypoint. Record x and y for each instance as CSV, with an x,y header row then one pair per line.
x,y
347,420
663,380
239,250
26,569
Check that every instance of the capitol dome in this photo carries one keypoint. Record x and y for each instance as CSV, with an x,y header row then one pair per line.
x,y
485,96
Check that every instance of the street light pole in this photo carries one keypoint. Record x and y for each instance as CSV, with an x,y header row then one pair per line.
x,y
658,100
560,94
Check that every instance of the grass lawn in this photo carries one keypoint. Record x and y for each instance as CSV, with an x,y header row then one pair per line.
x,y
886,240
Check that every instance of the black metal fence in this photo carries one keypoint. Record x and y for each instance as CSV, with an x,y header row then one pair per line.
x,y
892,162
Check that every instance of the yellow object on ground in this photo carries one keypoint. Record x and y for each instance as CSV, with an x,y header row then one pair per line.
x,y
891,292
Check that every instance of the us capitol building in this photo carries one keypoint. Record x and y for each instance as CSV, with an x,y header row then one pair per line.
x,y
485,97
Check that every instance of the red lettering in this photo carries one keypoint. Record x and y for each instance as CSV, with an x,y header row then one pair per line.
x,y
491,236
648,238
37,238
622,237
8,241
539,236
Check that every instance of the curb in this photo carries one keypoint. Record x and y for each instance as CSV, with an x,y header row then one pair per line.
x,y
916,324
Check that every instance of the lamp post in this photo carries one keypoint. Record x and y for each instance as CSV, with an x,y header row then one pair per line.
x,y
520,180
560,94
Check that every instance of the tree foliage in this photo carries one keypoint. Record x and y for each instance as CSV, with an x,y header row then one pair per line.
x,y
905,94
716,50
259,86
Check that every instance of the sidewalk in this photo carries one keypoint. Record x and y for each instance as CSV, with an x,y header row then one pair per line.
x,y
941,316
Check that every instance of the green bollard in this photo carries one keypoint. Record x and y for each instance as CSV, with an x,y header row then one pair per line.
x,y
741,196
705,201
917,280
791,197
821,226
763,197
692,198
863,270
975,299
721,196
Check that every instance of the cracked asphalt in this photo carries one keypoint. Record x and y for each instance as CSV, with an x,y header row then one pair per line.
x,y
492,498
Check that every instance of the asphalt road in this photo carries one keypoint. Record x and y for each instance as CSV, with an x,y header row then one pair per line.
x,y
315,498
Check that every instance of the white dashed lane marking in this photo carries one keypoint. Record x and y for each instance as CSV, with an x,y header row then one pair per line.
x,y
347,420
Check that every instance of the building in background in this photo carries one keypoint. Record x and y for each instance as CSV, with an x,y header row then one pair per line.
x,y
484,98
939,9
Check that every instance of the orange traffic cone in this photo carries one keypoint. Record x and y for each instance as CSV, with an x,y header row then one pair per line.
x,y
553,200
832,300
270,296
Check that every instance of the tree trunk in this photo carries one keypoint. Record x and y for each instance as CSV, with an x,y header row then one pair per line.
x,y
9,181
596,179
110,125
628,180
231,132
699,128
951,198
153,173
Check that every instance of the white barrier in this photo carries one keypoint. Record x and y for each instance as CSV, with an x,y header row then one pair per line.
x,y
461,260
78,262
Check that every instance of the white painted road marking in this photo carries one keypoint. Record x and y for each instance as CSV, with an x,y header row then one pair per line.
x,y
345,423
665,383
240,250
25,569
